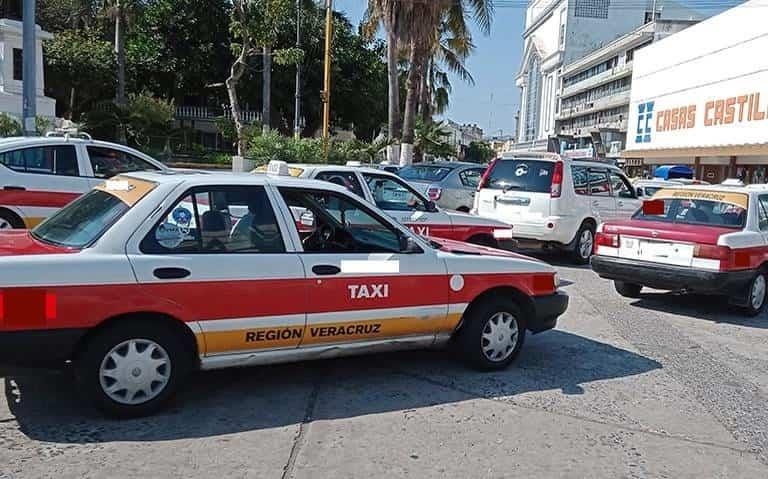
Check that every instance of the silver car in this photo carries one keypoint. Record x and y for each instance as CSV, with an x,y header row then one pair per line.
x,y
452,185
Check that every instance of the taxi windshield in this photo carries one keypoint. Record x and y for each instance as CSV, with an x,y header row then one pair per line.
x,y
82,222
706,209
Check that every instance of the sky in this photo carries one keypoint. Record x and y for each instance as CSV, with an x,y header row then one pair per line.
x,y
493,101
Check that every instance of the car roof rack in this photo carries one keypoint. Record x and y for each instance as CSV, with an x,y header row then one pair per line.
x,y
68,133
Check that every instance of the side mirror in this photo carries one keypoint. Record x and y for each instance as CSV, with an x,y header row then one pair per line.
x,y
408,245
639,191
431,207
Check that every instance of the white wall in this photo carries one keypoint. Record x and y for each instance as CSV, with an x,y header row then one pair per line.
x,y
718,59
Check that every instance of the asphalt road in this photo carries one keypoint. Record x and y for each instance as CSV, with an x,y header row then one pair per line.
x,y
662,386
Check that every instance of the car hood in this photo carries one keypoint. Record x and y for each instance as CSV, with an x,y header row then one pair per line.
x,y
21,243
460,247
461,258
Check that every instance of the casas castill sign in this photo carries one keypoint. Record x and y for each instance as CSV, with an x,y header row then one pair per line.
x,y
709,114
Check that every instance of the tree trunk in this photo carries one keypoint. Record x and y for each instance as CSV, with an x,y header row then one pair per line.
x,y
72,94
393,150
411,99
120,53
237,70
266,106
425,94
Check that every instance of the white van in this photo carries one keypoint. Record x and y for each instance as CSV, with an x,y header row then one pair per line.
x,y
552,201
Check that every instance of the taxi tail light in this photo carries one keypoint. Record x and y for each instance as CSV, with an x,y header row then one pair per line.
x,y
486,175
729,259
434,192
607,239
557,180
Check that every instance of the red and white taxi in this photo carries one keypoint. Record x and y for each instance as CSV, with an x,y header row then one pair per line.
x,y
401,201
39,175
707,239
152,275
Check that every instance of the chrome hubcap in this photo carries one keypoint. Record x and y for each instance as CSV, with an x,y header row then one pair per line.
x,y
757,296
585,244
499,337
135,371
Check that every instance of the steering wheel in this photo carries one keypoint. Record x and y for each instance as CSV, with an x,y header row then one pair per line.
x,y
327,237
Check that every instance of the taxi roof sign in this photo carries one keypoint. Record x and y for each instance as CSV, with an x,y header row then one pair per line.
x,y
278,168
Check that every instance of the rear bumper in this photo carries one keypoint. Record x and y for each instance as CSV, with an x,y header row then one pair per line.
x,y
43,348
546,311
674,278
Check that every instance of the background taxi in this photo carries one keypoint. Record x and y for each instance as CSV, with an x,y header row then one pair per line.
x,y
152,275
707,239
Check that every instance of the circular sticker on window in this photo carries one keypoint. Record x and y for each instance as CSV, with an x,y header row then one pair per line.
x,y
169,235
521,170
182,216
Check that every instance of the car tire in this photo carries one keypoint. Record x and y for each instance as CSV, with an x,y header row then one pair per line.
x,y
628,290
756,295
9,220
492,335
583,244
149,359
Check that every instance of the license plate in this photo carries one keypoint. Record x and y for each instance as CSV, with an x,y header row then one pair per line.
x,y
679,254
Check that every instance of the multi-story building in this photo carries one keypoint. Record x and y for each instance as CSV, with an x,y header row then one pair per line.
x,y
595,90
559,32
501,143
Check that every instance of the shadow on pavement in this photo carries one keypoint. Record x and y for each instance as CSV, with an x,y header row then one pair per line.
x,y
708,308
48,407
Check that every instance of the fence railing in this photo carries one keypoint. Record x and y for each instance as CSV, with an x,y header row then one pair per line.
x,y
208,113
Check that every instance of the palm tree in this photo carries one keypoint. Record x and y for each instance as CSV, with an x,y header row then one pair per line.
x,y
388,13
423,21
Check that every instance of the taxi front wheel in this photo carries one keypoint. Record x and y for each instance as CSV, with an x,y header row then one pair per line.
x,y
493,333
132,369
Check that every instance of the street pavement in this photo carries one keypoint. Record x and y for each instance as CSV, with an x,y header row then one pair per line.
x,y
662,386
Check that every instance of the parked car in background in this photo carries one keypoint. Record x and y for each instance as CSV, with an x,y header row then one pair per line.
x,y
452,185
553,201
647,188
705,239
39,175
404,203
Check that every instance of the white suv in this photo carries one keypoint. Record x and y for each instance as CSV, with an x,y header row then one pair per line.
x,y
554,202
39,175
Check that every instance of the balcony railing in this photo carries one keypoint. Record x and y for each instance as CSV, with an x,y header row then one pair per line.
x,y
207,113
597,80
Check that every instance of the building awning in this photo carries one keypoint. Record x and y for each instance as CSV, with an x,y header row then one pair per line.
x,y
757,149
667,172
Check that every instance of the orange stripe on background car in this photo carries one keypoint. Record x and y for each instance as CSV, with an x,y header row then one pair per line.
x,y
32,222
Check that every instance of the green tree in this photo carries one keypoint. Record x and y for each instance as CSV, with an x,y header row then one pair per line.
x,y
479,152
432,139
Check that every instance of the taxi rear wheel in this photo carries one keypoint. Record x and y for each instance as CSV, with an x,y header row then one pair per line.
x,y
628,290
493,333
756,296
132,369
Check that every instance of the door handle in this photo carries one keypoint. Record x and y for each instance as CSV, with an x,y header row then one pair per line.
x,y
14,188
620,203
595,203
325,269
171,273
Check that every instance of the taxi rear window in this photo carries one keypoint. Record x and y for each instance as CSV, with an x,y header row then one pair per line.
x,y
700,207
85,220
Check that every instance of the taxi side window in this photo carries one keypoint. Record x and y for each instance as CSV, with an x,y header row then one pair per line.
x,y
47,160
347,179
762,206
108,162
391,195
222,219
331,223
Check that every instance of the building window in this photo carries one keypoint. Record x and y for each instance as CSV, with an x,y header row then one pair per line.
x,y
18,64
533,99
592,8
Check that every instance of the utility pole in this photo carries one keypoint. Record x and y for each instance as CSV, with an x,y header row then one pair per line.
x,y
327,77
29,69
297,106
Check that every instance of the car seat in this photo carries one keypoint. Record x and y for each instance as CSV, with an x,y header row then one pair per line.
x,y
214,231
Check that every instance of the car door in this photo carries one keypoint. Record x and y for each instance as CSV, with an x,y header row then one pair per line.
x,y
402,202
469,179
602,203
367,281
41,179
221,256
624,194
